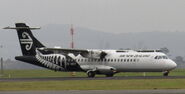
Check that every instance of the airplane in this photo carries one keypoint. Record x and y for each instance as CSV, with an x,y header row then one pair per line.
x,y
91,61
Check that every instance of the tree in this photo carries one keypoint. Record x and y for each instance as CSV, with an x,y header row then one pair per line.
x,y
179,60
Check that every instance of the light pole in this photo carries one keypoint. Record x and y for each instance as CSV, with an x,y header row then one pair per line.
x,y
1,66
1,46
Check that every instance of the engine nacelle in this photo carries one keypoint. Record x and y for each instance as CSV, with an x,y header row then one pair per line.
x,y
106,70
96,54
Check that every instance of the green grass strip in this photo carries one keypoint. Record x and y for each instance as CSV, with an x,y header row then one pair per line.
x,y
94,85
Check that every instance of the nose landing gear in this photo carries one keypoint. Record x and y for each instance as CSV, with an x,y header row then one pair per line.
x,y
166,73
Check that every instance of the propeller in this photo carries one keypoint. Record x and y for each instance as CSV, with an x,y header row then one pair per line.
x,y
102,55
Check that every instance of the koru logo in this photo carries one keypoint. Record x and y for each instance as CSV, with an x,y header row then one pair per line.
x,y
27,40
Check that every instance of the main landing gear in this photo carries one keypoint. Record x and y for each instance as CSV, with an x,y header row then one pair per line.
x,y
166,73
91,74
110,75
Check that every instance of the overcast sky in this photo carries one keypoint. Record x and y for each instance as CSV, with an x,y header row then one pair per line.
x,y
105,15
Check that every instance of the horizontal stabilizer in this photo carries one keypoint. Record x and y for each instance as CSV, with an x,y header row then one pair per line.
x,y
31,28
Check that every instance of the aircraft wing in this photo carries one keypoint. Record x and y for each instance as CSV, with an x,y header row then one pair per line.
x,y
98,54
65,51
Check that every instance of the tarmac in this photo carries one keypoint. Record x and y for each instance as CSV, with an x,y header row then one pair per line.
x,y
175,91
86,78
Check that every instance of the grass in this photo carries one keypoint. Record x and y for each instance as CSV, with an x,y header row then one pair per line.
x,y
138,84
129,84
49,73
37,74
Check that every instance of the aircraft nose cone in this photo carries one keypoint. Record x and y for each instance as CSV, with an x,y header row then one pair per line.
x,y
172,65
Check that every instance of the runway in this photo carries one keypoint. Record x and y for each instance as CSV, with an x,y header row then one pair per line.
x,y
175,91
154,91
86,78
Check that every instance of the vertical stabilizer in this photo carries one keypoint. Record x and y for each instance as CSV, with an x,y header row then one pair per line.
x,y
27,41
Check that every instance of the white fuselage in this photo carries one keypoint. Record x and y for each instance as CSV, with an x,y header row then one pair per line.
x,y
115,61
130,61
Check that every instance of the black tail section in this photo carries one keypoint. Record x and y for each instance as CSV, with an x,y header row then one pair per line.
x,y
27,41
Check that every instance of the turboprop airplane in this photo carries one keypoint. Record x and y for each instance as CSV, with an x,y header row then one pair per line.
x,y
91,61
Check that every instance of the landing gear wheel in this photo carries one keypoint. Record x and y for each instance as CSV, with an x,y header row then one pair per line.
x,y
109,75
166,73
91,74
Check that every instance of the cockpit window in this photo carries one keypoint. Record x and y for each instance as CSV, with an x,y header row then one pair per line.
x,y
161,57
165,57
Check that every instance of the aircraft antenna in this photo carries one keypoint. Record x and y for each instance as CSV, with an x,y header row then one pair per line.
x,y
72,36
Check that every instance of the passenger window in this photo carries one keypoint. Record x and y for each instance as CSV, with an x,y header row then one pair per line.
x,y
134,60
156,57
108,60
105,59
127,60
111,60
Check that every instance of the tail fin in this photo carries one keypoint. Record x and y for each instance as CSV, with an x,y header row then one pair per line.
x,y
27,41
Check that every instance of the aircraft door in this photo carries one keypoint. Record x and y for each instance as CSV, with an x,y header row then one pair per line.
x,y
102,62
92,63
